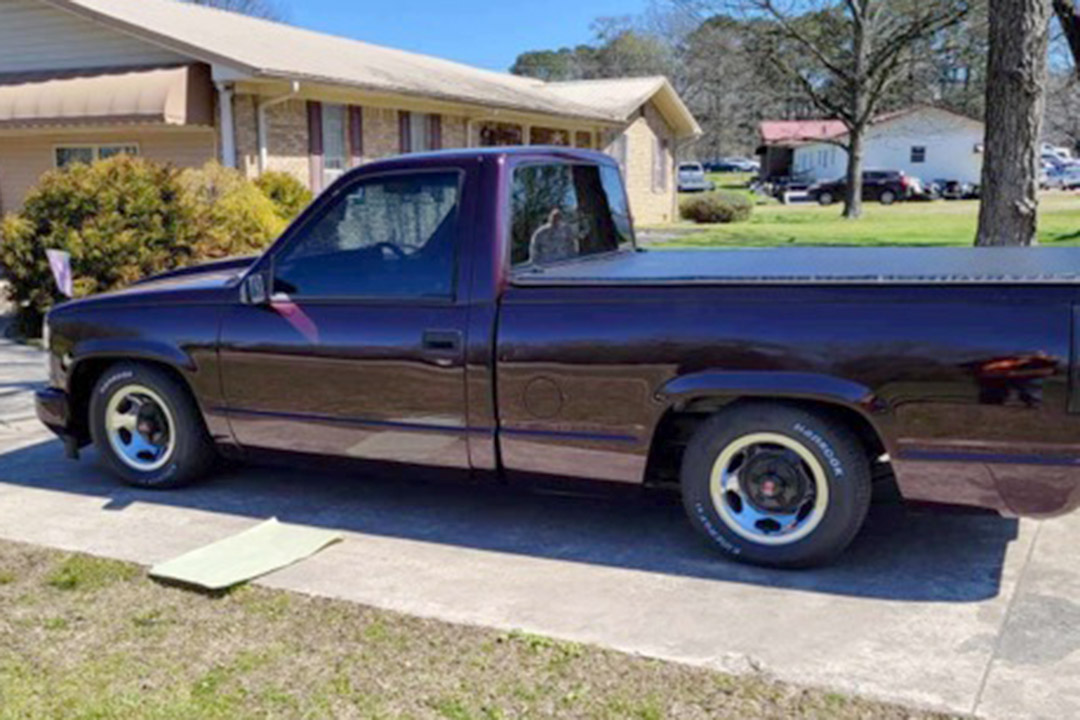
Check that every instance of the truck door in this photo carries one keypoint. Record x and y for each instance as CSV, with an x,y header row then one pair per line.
x,y
359,351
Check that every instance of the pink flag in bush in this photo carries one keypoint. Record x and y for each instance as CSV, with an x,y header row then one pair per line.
x,y
60,262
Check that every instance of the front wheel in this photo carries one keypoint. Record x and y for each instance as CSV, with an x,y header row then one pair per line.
x,y
888,197
826,198
776,485
147,427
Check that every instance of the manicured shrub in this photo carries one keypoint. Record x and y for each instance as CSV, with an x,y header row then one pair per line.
x,y
717,207
123,219
289,195
120,219
232,216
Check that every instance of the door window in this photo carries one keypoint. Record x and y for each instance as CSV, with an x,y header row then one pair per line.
x,y
563,211
393,237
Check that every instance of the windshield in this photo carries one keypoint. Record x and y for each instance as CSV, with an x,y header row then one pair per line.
x,y
563,212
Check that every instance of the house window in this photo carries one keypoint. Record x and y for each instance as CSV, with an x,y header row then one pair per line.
x,y
335,146
918,154
419,132
583,139
660,165
495,134
68,154
549,136
420,137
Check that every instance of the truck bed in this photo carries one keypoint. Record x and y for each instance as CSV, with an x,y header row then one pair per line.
x,y
851,266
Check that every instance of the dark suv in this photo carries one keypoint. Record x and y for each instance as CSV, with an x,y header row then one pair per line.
x,y
885,186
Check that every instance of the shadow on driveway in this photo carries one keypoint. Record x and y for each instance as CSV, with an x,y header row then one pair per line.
x,y
906,554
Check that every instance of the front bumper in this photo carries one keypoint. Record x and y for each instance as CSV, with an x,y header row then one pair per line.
x,y
54,410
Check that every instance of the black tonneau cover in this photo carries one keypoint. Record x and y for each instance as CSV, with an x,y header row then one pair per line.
x,y
823,265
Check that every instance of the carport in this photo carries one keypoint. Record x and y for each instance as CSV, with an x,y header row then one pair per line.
x,y
54,119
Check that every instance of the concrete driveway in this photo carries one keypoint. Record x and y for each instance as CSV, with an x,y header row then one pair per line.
x,y
962,612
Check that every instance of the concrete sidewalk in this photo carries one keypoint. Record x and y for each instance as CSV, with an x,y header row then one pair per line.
x,y
962,612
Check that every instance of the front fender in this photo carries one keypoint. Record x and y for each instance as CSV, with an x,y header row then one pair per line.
x,y
133,349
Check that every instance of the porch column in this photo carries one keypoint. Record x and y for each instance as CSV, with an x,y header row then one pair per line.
x,y
226,125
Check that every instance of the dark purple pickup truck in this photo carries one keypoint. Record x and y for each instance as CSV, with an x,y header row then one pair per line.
x,y
488,311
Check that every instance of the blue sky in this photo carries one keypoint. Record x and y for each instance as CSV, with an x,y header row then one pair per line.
x,y
485,33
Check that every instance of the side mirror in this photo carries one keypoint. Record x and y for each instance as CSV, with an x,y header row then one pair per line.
x,y
256,288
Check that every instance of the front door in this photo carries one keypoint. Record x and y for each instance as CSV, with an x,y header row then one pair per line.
x,y
360,351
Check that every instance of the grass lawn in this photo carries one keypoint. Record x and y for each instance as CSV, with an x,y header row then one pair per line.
x,y
916,224
82,637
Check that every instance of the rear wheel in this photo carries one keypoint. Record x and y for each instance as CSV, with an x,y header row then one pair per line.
x,y
147,427
825,198
887,197
776,485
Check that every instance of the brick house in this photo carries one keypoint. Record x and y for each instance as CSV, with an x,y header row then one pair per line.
x,y
181,83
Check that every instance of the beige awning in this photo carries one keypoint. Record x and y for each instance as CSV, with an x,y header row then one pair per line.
x,y
158,96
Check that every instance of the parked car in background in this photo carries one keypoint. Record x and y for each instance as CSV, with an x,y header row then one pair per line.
x,y
733,164
1066,177
1061,153
780,185
692,178
884,186
955,189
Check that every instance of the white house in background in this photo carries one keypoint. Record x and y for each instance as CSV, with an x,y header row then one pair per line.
x,y
925,142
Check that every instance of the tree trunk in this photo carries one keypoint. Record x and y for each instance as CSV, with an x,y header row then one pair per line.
x,y
1015,96
853,195
860,100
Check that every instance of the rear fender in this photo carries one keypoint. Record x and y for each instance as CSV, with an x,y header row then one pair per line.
x,y
681,392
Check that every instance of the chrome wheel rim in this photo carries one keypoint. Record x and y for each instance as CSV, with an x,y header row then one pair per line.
x,y
769,488
140,428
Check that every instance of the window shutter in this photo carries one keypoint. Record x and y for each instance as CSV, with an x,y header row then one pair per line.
x,y
315,144
405,131
435,132
356,135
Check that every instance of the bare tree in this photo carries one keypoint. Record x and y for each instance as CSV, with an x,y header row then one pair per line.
x,y
844,55
1015,98
266,9
1061,121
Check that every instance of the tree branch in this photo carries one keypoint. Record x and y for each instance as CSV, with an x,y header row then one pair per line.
x,y
795,34
1068,15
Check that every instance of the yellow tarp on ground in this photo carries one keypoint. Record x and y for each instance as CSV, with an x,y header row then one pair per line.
x,y
255,552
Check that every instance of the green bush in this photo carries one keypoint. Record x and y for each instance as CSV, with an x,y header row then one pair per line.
x,y
288,194
233,217
124,218
717,207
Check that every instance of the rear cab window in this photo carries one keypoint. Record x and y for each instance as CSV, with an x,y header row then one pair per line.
x,y
563,211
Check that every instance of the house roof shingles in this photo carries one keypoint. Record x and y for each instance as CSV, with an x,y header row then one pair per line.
x,y
266,49
795,132
781,132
